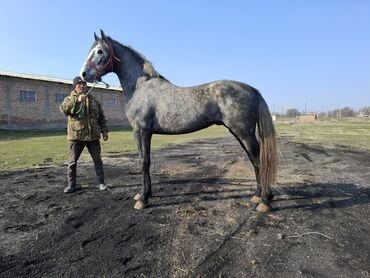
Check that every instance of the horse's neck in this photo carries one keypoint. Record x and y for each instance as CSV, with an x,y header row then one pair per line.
x,y
128,71
128,85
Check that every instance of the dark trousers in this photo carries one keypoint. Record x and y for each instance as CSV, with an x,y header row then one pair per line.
x,y
75,150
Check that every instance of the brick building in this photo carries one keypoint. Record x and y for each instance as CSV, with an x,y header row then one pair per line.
x,y
307,117
31,102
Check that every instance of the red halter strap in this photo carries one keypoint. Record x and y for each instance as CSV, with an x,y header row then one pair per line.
x,y
99,71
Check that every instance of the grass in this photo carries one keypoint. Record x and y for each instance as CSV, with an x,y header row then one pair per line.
x,y
19,150
27,149
349,132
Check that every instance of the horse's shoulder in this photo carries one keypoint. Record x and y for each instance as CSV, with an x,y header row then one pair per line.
x,y
140,81
153,85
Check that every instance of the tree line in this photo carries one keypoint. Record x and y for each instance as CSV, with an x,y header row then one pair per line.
x,y
339,112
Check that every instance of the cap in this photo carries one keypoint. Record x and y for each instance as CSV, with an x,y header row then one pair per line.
x,y
76,80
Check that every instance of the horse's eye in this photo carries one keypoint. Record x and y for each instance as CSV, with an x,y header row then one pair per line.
x,y
100,51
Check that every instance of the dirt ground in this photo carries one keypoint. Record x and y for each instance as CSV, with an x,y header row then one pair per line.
x,y
200,222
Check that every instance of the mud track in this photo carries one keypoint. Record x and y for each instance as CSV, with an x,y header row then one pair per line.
x,y
200,222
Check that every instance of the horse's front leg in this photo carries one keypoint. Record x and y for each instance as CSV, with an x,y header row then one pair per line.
x,y
144,139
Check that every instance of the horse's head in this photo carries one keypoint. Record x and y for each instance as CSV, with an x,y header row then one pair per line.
x,y
100,59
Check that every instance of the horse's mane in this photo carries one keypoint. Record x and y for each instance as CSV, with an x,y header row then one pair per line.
x,y
140,59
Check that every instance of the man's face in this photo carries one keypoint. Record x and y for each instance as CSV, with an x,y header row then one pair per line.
x,y
81,87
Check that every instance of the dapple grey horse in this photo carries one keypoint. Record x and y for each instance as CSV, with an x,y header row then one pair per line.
x,y
155,106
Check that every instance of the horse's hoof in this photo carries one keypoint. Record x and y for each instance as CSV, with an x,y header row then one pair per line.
x,y
255,199
137,197
263,208
139,205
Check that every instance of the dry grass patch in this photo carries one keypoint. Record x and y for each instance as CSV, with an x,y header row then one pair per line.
x,y
239,169
176,170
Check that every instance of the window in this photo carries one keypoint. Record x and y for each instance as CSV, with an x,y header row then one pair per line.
x,y
110,102
60,97
27,96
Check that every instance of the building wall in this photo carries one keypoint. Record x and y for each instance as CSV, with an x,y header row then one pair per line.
x,y
44,113
307,118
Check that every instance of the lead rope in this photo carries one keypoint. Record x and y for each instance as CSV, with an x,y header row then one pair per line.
x,y
80,113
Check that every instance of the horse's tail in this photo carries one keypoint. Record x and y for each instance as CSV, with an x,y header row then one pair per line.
x,y
268,149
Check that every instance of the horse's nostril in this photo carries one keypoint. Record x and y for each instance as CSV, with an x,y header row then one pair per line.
x,y
84,74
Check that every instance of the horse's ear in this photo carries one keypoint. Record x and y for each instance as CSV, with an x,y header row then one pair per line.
x,y
96,37
103,35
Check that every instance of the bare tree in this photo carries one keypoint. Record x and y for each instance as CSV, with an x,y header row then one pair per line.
x,y
347,112
292,112
342,112
365,110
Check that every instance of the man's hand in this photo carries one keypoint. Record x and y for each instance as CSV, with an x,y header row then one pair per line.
x,y
105,136
81,98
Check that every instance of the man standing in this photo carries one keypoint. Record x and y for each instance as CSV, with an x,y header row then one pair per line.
x,y
86,121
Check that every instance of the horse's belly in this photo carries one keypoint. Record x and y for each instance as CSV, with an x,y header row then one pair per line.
x,y
183,121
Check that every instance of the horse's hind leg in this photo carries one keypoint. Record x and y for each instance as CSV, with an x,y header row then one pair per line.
x,y
143,139
253,151
251,146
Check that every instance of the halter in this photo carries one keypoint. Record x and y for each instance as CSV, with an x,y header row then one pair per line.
x,y
109,62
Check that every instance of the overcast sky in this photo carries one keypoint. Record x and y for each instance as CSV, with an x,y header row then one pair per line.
x,y
312,55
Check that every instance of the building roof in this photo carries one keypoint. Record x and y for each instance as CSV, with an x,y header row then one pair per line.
x,y
52,79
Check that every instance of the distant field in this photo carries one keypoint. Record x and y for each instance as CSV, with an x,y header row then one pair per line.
x,y
350,132
27,149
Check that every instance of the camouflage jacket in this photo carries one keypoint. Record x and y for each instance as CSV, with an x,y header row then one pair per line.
x,y
86,127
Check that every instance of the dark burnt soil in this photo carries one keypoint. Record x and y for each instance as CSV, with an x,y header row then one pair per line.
x,y
200,222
